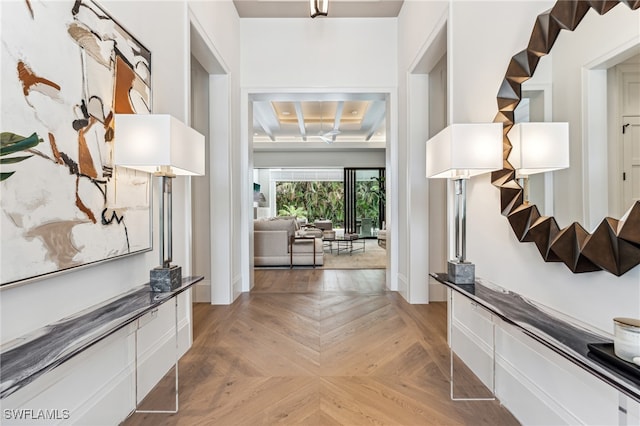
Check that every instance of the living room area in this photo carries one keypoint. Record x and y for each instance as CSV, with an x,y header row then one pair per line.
x,y
329,218
318,163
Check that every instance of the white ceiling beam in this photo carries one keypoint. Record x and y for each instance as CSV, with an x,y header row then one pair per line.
x,y
266,117
318,146
373,118
338,116
336,119
300,116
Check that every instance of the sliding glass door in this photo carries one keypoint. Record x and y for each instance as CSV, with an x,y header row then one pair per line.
x,y
364,191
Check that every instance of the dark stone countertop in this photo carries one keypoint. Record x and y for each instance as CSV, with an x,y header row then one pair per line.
x,y
565,336
24,359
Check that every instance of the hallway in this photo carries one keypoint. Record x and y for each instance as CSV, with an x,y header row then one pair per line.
x,y
318,347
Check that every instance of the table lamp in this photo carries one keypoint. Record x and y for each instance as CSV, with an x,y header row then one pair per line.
x,y
162,145
538,148
459,152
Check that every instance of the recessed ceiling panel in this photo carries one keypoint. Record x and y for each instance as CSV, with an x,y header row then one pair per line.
x,y
356,117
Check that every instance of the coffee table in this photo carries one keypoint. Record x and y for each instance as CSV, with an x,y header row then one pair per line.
x,y
345,245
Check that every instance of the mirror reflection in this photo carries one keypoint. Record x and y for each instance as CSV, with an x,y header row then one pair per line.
x,y
593,83
532,109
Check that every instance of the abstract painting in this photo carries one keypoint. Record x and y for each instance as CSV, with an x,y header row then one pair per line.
x,y
67,67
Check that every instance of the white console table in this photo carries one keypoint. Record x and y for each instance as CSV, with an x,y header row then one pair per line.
x,y
566,337
28,357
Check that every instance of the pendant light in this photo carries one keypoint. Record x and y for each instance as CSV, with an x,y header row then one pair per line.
x,y
319,7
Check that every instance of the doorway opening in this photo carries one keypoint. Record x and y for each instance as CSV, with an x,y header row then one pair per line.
x,y
364,201
313,130
209,112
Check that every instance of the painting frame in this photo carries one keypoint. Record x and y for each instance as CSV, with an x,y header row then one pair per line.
x,y
104,212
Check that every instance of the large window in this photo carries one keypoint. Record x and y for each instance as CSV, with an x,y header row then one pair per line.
x,y
315,200
364,200
311,193
351,198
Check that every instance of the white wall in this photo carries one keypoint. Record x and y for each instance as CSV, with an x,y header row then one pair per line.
x,y
215,42
319,159
201,212
97,386
320,53
419,24
438,110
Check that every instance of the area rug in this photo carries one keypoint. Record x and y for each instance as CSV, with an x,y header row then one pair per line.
x,y
373,257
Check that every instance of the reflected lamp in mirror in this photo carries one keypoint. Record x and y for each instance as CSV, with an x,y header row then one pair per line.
x,y
538,148
459,152
162,145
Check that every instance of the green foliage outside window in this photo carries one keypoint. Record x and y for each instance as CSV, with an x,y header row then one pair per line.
x,y
292,210
321,200
325,200
367,199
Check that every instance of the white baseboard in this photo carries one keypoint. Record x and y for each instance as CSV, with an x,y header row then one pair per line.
x,y
403,286
237,288
437,292
202,292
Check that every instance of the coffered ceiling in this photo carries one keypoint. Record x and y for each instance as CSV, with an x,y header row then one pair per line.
x,y
320,117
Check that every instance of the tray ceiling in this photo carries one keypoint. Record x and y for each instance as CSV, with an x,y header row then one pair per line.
x,y
328,118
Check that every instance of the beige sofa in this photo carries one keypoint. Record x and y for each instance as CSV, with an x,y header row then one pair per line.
x,y
271,244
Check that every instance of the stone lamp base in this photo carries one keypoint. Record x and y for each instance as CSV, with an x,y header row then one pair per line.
x,y
165,279
461,272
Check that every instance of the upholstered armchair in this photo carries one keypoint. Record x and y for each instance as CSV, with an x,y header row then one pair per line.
x,y
327,229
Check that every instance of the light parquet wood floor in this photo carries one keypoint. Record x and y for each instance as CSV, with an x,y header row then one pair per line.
x,y
319,347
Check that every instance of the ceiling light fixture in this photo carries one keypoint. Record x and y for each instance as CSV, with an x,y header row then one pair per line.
x,y
319,8
329,136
